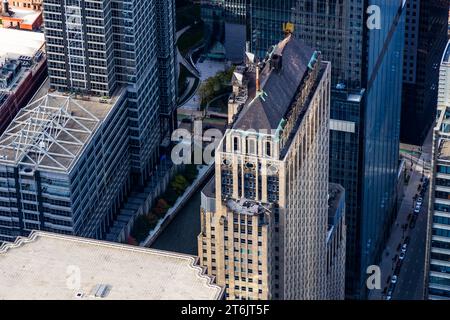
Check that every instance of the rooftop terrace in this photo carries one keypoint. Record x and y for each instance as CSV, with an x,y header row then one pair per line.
x,y
16,43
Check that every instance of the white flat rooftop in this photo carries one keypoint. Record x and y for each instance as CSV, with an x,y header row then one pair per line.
x,y
16,43
50,266
26,15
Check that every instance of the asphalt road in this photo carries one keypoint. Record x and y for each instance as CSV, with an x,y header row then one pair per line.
x,y
409,285
410,270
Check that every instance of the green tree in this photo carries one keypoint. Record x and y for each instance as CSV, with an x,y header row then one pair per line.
x,y
179,184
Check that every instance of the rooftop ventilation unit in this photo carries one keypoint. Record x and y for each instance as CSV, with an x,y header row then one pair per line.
x,y
101,290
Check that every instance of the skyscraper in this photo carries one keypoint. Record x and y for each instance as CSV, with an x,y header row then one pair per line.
x,y
364,41
97,127
94,47
425,40
265,218
225,22
437,282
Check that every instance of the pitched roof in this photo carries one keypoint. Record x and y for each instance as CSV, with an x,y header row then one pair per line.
x,y
278,87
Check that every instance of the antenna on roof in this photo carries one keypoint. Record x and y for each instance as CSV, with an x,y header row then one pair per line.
x,y
258,80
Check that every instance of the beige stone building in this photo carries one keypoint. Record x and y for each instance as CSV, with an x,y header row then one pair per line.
x,y
264,217
26,4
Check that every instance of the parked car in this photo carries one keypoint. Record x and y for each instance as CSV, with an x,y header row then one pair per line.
x,y
417,208
394,279
419,201
402,255
389,296
404,246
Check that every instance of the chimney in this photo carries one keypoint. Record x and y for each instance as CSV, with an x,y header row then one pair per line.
x,y
258,83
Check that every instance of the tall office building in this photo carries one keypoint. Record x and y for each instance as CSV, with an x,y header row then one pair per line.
x,y
366,54
437,266
264,217
97,126
96,46
225,23
425,40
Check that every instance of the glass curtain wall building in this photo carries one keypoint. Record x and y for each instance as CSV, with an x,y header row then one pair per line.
x,y
225,23
425,40
98,126
365,50
96,46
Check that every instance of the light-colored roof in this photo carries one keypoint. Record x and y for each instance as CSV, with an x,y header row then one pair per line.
x,y
26,15
16,43
50,266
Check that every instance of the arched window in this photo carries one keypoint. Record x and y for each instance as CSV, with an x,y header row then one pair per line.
x,y
268,148
251,149
235,144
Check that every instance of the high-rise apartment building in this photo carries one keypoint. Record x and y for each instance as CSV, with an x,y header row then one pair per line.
x,y
364,41
265,217
98,125
425,40
437,262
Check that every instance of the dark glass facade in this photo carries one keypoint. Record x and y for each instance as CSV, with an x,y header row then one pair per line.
x,y
225,22
365,108
425,41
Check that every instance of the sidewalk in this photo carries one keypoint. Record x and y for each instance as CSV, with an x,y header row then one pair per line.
x,y
389,259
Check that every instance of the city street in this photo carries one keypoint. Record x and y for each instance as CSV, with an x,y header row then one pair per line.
x,y
410,270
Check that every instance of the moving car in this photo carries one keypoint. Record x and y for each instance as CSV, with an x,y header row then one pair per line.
x,y
402,255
